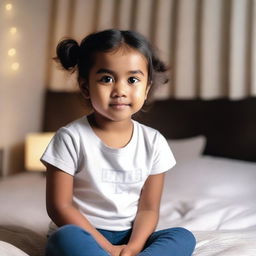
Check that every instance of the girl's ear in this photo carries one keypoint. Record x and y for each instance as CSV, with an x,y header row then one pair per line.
x,y
86,93
84,89
147,91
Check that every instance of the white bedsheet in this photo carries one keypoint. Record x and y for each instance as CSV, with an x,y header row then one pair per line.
x,y
215,198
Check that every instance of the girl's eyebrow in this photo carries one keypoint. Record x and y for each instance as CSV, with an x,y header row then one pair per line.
x,y
136,72
105,70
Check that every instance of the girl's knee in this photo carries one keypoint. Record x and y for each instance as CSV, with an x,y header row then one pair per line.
x,y
67,231
184,240
65,239
186,234
174,241
182,234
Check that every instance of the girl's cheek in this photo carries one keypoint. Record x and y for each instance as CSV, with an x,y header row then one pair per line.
x,y
140,93
137,95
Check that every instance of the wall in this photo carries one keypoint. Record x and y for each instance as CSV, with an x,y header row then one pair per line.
x,y
77,18
21,90
209,44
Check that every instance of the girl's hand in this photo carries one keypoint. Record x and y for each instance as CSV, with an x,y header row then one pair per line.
x,y
116,250
127,251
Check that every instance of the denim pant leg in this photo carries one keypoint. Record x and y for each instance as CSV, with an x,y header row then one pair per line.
x,y
170,242
116,237
71,240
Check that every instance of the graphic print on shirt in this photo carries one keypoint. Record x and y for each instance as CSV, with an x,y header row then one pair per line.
x,y
121,179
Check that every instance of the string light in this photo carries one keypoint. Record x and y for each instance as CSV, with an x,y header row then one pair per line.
x,y
15,66
12,52
8,7
13,30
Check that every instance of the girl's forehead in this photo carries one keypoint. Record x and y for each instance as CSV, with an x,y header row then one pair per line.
x,y
121,55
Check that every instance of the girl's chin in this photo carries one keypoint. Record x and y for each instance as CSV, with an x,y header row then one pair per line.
x,y
115,117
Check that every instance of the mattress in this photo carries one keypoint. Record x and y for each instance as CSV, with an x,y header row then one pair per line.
x,y
211,196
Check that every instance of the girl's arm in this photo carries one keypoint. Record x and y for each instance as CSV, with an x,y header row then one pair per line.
x,y
147,215
59,194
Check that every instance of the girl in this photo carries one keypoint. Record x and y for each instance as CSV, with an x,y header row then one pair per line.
x,y
105,171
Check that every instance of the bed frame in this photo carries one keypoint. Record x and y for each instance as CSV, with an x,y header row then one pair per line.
x,y
229,126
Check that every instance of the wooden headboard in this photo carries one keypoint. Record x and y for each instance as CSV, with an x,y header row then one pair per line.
x,y
229,126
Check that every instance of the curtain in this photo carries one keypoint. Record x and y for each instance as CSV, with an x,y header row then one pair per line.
x,y
210,45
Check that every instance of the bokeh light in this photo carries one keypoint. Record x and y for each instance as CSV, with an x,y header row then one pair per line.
x,y
13,30
12,52
8,7
15,66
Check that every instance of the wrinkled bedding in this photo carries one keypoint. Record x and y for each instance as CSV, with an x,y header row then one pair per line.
x,y
216,199
213,197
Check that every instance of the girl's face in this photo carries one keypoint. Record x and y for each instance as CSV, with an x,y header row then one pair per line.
x,y
118,83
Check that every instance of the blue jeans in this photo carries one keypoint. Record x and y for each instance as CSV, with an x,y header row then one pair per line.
x,y
71,240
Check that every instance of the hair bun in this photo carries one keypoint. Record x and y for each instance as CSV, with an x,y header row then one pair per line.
x,y
67,53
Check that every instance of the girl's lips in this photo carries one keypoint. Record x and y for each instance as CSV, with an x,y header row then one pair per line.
x,y
119,105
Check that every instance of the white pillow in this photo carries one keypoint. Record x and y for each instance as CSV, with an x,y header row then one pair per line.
x,y
7,249
187,149
20,241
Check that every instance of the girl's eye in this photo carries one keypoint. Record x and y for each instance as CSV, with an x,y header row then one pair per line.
x,y
107,79
133,80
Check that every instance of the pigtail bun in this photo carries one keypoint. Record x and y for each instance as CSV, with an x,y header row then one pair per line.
x,y
67,54
159,66
160,71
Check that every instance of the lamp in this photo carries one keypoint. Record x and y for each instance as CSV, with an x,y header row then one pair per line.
x,y
35,145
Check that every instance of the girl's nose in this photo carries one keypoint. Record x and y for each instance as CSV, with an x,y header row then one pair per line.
x,y
119,90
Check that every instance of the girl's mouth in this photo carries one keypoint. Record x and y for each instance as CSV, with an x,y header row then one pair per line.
x,y
119,105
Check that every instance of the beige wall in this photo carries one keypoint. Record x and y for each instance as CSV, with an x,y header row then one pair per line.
x,y
21,91
209,44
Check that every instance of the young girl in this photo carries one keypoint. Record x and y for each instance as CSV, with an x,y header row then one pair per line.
x,y
105,171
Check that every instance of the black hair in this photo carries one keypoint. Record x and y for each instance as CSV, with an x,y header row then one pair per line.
x,y
73,56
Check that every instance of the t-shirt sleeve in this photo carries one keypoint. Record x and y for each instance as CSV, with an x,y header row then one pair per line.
x,y
62,152
163,157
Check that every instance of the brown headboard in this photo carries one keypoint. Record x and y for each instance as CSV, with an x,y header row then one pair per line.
x,y
229,126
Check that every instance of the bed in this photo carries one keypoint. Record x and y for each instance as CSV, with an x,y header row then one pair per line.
x,y
210,191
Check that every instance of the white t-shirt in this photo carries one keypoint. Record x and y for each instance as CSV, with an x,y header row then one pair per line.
x,y
108,181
